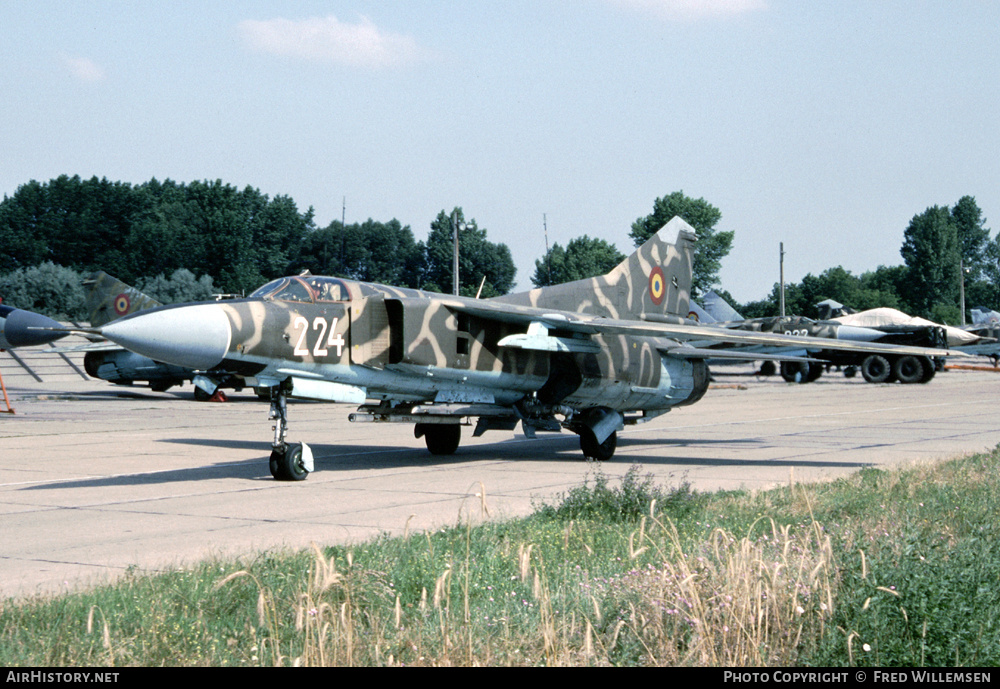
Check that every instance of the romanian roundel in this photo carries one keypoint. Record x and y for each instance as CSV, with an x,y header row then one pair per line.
x,y
121,304
657,285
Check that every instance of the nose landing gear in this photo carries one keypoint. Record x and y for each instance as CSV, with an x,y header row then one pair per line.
x,y
288,462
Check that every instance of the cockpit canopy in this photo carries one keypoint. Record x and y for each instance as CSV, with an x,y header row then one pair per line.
x,y
304,288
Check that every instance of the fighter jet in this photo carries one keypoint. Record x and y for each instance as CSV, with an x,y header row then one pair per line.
x,y
109,299
986,325
589,356
20,328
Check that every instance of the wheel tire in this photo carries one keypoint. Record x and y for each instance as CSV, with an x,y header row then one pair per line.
x,y
767,368
200,395
908,370
592,449
795,371
930,368
876,369
443,438
850,371
287,465
814,372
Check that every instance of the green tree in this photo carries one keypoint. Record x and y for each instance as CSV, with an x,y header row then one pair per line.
x,y
986,292
582,258
180,287
888,283
239,238
973,236
48,289
479,258
931,250
71,222
871,290
713,245
370,251
978,253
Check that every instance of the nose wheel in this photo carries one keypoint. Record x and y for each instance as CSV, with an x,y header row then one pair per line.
x,y
287,462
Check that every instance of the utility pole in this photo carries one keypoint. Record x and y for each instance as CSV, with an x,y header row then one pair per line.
x,y
343,236
961,286
454,262
781,275
548,259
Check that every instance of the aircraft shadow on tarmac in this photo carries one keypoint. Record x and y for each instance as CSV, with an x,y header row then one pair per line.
x,y
330,458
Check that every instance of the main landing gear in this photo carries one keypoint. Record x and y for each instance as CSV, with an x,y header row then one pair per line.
x,y
441,438
288,462
595,450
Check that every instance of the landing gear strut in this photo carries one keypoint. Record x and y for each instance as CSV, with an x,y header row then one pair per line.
x,y
288,462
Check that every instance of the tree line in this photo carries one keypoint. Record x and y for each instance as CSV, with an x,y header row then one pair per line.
x,y
161,235
234,239
943,249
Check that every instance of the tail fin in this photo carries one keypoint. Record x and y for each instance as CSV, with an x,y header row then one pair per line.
x,y
652,283
982,315
720,309
701,315
110,298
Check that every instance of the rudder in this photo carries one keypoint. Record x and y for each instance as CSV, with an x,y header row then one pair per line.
x,y
109,298
654,283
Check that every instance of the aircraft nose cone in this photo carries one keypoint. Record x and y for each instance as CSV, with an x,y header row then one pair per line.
x,y
17,328
194,336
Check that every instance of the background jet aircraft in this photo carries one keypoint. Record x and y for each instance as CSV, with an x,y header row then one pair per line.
x,y
589,356
875,325
982,315
109,299
20,328
985,324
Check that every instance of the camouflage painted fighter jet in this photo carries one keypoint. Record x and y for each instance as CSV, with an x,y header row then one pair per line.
x,y
589,356
109,299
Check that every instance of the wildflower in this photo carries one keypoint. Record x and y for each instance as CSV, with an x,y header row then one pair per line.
x,y
866,647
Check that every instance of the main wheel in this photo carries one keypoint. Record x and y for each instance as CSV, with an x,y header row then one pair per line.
x,y
288,465
876,368
814,372
930,368
595,450
795,371
441,438
201,395
908,369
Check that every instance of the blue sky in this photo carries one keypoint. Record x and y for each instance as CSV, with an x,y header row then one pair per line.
x,y
825,125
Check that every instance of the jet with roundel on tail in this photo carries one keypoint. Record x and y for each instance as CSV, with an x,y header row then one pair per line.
x,y
109,299
589,357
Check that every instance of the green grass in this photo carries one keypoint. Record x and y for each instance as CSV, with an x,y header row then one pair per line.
x,y
896,568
